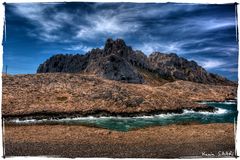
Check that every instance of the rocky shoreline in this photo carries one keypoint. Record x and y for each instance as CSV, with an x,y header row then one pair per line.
x,y
101,113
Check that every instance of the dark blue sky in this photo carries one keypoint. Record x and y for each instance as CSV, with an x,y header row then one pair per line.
x,y
204,33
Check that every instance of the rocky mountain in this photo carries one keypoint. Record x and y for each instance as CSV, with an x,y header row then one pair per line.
x,y
117,61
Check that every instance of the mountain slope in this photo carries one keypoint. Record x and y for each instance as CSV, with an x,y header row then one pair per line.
x,y
117,61
64,94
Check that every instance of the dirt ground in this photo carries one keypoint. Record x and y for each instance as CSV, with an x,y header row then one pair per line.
x,y
209,140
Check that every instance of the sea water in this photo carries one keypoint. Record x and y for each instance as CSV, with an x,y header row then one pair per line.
x,y
226,113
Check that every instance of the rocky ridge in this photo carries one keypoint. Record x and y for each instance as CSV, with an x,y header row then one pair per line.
x,y
117,61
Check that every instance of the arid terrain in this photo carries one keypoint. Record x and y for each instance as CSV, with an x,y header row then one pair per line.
x,y
172,141
59,94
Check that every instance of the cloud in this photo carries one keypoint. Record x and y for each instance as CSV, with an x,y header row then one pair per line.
x,y
119,20
81,48
206,24
105,24
211,63
149,47
50,27
217,24
46,26
231,70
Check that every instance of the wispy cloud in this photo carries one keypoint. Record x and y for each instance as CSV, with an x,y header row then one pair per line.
x,y
231,70
209,63
49,27
149,47
206,24
46,26
82,48
105,24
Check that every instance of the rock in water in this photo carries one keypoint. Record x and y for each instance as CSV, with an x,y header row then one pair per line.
x,y
117,61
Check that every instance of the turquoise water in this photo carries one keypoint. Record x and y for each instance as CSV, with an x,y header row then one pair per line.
x,y
226,113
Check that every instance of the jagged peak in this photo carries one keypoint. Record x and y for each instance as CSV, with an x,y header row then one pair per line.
x,y
163,54
118,43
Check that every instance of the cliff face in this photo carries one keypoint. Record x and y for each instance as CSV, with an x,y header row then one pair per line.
x,y
117,61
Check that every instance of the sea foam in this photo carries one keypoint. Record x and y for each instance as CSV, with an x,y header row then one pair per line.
x,y
159,116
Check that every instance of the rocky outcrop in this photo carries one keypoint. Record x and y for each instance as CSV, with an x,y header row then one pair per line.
x,y
117,61
115,68
111,62
64,63
173,67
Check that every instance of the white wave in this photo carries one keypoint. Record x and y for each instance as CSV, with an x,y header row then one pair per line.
x,y
147,117
204,102
162,116
225,102
24,120
187,111
229,102
221,111
79,118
